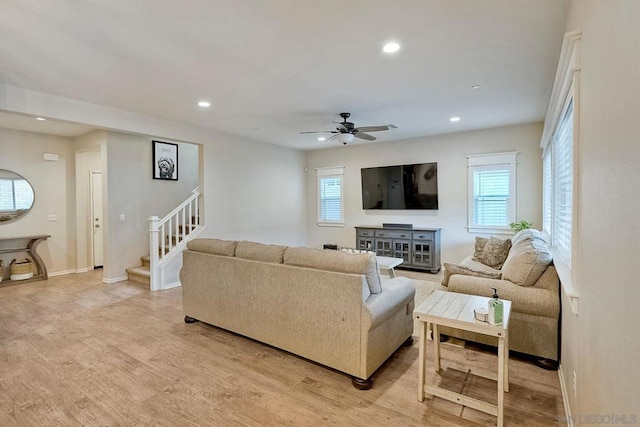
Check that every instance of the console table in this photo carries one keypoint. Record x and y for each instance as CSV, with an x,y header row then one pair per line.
x,y
17,245
419,247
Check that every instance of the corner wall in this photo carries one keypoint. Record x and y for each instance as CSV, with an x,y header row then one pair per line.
x,y
53,185
131,191
450,152
601,344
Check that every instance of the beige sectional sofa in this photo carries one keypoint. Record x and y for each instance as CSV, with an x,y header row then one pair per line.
x,y
529,280
326,306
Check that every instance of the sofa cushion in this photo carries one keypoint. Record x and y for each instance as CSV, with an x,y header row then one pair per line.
x,y
451,269
213,246
527,261
260,252
481,242
495,252
526,234
339,261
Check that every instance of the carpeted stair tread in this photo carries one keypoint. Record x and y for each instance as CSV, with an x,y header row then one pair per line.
x,y
141,271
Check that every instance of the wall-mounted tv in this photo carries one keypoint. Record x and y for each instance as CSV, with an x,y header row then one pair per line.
x,y
400,187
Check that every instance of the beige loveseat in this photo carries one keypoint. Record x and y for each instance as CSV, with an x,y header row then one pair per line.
x,y
327,306
529,280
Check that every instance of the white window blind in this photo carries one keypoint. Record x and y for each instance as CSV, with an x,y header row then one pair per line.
x,y
492,192
563,201
330,196
330,201
491,195
547,193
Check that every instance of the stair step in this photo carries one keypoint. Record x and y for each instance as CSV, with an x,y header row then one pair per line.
x,y
146,261
139,274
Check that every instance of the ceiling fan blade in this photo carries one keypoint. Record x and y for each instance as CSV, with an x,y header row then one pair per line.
x,y
321,131
373,128
362,135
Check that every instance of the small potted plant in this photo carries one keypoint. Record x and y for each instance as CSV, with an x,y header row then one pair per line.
x,y
521,225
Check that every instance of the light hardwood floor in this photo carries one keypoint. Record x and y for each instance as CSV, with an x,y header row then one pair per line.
x,y
76,351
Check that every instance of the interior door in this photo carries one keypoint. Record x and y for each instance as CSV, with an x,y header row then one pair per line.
x,y
96,218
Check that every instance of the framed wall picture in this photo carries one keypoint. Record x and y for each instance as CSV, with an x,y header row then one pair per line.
x,y
165,161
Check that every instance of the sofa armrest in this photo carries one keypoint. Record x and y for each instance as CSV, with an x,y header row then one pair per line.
x,y
396,294
524,299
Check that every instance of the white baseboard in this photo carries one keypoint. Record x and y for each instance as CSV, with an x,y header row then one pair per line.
x,y
115,279
171,286
83,270
60,273
565,398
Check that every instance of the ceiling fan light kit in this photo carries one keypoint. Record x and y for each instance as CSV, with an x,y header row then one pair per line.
x,y
345,138
346,131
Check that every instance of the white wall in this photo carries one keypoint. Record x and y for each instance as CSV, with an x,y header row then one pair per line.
x,y
131,191
449,151
254,191
601,344
53,184
89,157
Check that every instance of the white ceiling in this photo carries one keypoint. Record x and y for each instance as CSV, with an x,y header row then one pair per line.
x,y
274,68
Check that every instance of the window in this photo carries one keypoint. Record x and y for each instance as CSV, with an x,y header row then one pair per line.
x,y
492,192
330,196
562,186
557,170
560,144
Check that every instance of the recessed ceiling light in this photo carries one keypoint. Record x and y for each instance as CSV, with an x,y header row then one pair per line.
x,y
42,119
322,138
204,104
454,119
475,87
391,47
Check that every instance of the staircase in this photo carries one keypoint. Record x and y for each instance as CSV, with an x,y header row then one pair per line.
x,y
141,274
168,237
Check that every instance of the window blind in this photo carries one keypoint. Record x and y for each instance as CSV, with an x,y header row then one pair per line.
x,y
330,198
563,200
547,192
491,195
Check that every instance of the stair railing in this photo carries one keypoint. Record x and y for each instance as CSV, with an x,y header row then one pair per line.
x,y
169,235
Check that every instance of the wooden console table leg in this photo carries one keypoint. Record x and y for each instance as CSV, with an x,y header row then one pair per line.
x,y
31,250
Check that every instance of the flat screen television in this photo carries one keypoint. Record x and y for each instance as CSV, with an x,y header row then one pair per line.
x,y
400,187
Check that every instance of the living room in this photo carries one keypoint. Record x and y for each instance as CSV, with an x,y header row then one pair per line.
x,y
598,344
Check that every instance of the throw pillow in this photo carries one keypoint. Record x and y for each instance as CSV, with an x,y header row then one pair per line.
x,y
481,242
495,252
451,269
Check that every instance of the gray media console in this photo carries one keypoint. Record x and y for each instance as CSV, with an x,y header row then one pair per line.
x,y
419,247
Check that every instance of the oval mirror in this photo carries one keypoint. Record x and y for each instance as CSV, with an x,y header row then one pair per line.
x,y
16,196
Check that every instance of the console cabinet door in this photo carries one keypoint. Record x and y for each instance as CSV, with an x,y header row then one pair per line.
x,y
423,253
384,247
402,249
365,243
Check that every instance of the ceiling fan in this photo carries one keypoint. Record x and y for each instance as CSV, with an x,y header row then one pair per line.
x,y
346,131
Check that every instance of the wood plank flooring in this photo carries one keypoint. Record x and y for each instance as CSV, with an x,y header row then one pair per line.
x,y
75,351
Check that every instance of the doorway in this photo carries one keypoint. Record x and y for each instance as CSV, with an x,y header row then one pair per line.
x,y
97,235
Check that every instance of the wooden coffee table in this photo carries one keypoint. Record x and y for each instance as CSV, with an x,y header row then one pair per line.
x,y
456,311
388,263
